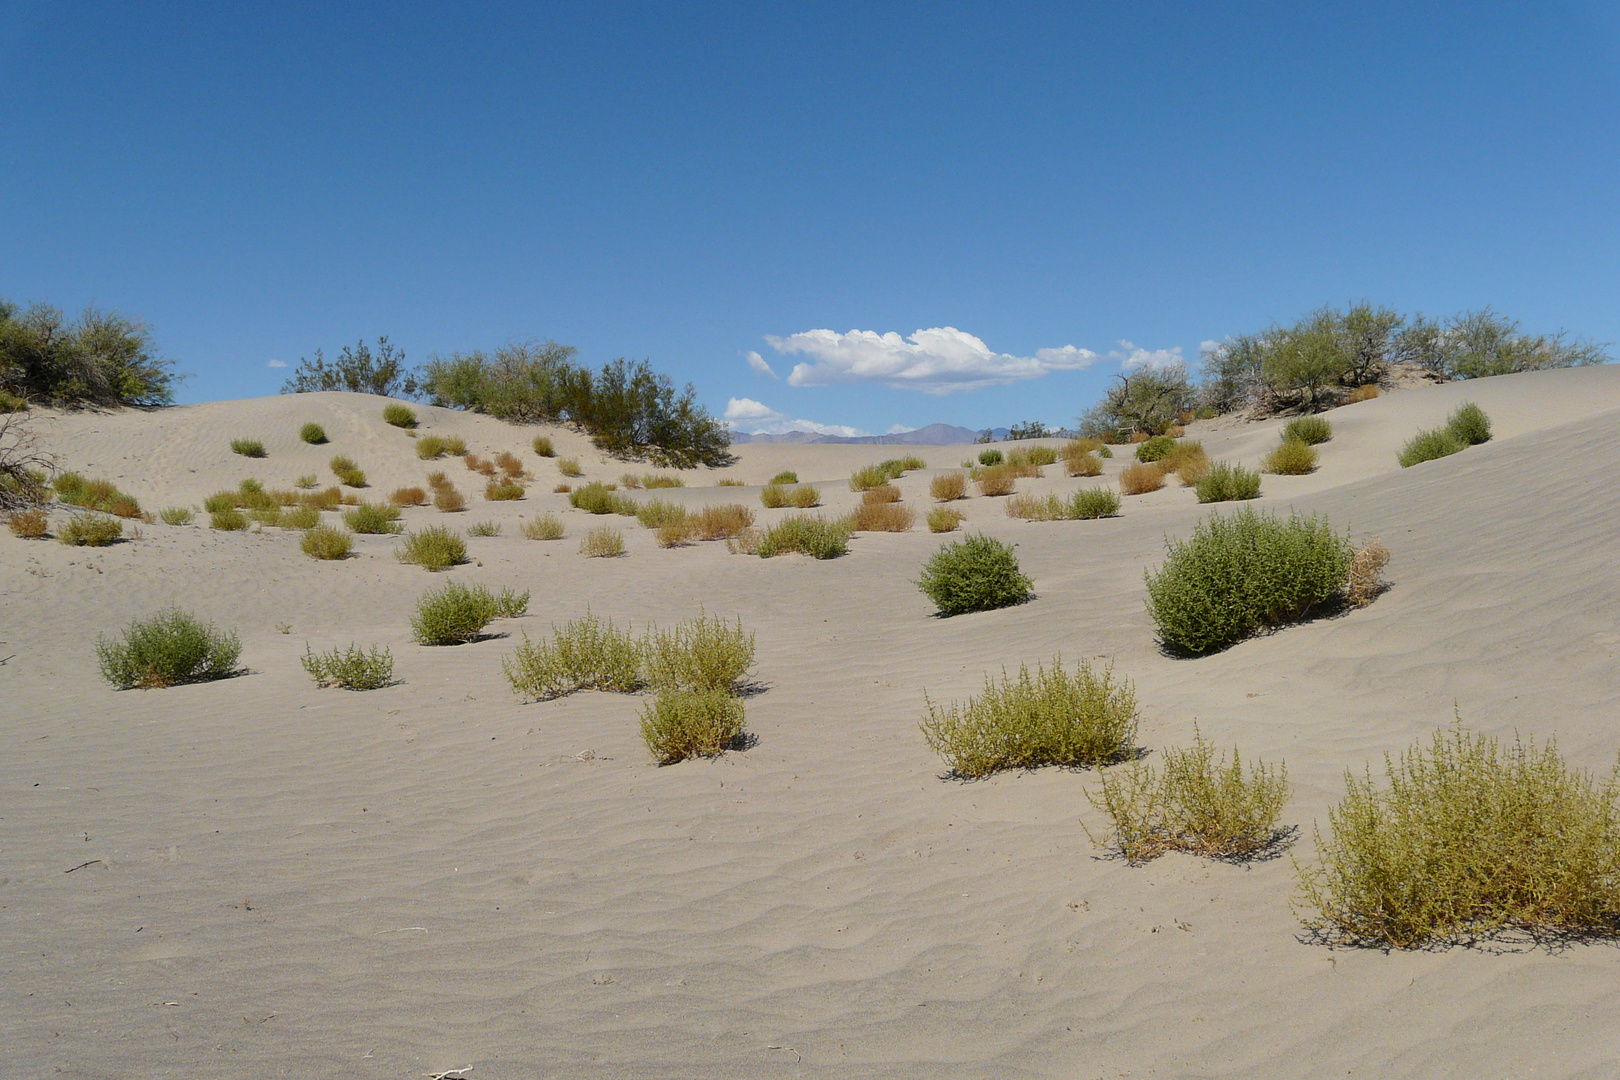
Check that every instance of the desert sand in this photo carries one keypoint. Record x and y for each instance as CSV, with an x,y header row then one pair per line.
x,y
274,880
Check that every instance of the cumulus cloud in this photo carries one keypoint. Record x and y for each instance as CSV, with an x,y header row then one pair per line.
x,y
757,418
1132,358
898,429
941,360
760,366
277,363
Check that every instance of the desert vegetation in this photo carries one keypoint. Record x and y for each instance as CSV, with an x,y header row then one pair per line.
x,y
312,433
803,534
348,473
101,359
409,496
251,448
100,495
1154,448
1224,482
484,528
1139,478
29,524
170,648
375,519
598,498
326,543
456,614
679,724
871,476
357,370
943,519
774,496
1292,457
544,527
542,446
721,522
603,542
400,416
975,573
351,669
1467,426
991,458
1092,503
1308,429
503,490
90,530
433,548
785,477
995,480
588,653
569,467
948,487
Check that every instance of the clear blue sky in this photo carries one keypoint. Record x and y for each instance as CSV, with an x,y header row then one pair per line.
x,y
686,183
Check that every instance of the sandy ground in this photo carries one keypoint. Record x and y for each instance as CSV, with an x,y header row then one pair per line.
x,y
274,880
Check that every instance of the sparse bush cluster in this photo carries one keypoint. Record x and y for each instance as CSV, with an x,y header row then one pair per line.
x,y
871,476
803,534
776,495
102,495
1467,426
347,472
598,498
351,669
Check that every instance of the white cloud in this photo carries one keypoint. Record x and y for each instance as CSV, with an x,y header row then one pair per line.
x,y
898,429
1138,359
757,418
1209,346
757,362
941,360
277,363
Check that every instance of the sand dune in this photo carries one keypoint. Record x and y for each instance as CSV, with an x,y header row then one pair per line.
x,y
286,881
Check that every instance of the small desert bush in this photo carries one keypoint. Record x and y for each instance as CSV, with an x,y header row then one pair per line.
x,y
1041,455
1430,445
597,498
802,496
29,524
721,522
176,515
455,446
454,614
269,516
329,499
1308,429
478,465
352,668
248,447
228,519
1091,503
503,490
948,487
509,463
729,481
675,533
629,481
306,481
1468,839
562,489
1241,573
399,416
1138,478
1367,573
434,548
170,648
101,495
805,534
773,496
706,653
431,447
1199,804
448,500
484,528
1155,448
437,480
1363,393
1188,460
326,542
1470,424
1291,458
943,519
975,573
92,530
605,542
995,480
300,517
312,433
883,493
587,654
373,519
654,481
680,724
989,458
544,527
347,472
1037,507
1050,718
880,516
1019,464
656,512
11,403
542,446
1082,464
869,477
1227,483
909,463
408,496
511,604
786,476
569,467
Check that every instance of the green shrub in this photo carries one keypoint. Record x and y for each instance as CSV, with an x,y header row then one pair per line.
x,y
176,515
542,446
544,527
229,519
170,648
399,416
1308,429
484,528
597,498
511,604
1155,448
352,668
1469,424
786,476
454,614
434,548
773,496
325,542
1430,445
373,518
602,543
248,448
990,458
569,467
90,530
312,433
222,500
1466,841
1041,455
101,495
11,403
432,447
1291,458
807,535
679,724
1241,573
1050,718
100,359
348,472
306,481
300,517
1091,503
1227,483
976,573
657,512
1199,805
587,654
870,476
706,653
943,519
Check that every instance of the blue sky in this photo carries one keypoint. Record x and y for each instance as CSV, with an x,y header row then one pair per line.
x,y
694,183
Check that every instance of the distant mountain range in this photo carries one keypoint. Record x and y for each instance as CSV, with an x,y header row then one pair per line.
x,y
932,435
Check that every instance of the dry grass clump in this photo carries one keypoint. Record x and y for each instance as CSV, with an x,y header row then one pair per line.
x,y
1308,429
1188,461
598,498
729,481
884,471
721,522
802,496
1291,458
1366,582
437,480
478,465
1082,463
587,654
409,496
562,489
248,448
681,724
168,649
348,473
399,416
448,500
804,534
325,542
948,487
1238,574
1468,840
299,517
1092,503
605,542
456,614
943,519
1199,805
883,493
503,490
1037,507
629,481
881,516
312,433
352,668
375,519
675,534
306,481
29,524
569,467
176,515
976,573
328,499
101,495
509,463
434,548
484,528
1139,478
544,527
996,480
432,447
227,519
1227,483
786,476
1051,718
542,446
654,481
1363,393
1040,454
657,512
